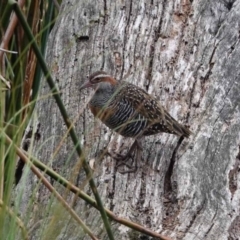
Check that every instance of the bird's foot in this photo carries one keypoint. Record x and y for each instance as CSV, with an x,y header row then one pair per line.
x,y
120,157
123,160
134,154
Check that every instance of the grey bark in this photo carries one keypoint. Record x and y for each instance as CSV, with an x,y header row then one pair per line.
x,y
186,54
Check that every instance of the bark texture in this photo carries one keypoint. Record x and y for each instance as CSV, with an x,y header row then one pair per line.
x,y
185,53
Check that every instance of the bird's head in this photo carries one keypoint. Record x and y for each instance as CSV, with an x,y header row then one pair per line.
x,y
99,79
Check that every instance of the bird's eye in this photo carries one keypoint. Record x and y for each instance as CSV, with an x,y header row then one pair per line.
x,y
97,80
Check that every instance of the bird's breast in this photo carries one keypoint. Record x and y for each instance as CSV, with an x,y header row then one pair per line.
x,y
102,113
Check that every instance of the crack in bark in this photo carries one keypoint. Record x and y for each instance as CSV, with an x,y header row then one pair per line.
x,y
149,153
113,183
209,72
192,94
210,63
103,29
167,180
25,146
233,175
153,46
105,12
234,229
183,17
125,38
200,208
137,38
142,196
207,152
228,4
112,193
213,223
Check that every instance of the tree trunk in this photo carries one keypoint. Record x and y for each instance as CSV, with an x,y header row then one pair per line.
x,y
186,54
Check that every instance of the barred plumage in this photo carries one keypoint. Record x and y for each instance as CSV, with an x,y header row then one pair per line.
x,y
128,109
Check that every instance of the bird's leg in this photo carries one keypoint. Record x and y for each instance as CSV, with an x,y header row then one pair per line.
x,y
136,147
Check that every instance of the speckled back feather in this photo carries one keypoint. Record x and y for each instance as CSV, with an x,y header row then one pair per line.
x,y
158,119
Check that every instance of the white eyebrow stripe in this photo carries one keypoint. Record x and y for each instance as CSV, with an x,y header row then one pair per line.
x,y
101,76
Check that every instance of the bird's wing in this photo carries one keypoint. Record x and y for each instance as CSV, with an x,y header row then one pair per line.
x,y
158,118
142,102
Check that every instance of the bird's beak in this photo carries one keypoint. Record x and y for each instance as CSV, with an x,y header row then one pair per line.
x,y
86,85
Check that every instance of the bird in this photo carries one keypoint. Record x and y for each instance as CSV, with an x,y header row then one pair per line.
x,y
130,111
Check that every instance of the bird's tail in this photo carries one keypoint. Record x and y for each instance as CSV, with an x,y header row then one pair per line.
x,y
181,129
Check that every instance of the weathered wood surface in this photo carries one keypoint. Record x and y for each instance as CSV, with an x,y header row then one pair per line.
x,y
186,53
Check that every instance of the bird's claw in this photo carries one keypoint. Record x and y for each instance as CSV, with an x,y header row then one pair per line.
x,y
122,160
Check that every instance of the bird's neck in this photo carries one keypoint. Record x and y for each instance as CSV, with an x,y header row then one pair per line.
x,y
103,95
